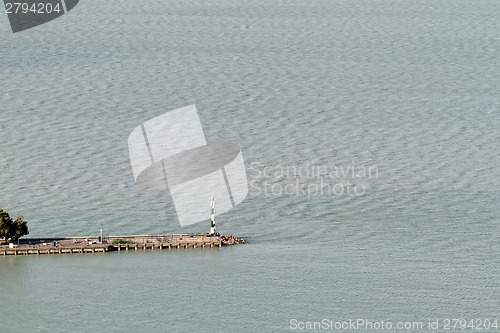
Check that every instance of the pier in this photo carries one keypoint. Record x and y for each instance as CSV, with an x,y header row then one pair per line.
x,y
37,246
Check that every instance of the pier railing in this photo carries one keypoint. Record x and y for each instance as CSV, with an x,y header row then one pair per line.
x,y
112,243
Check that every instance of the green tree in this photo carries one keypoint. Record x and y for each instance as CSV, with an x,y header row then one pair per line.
x,y
10,229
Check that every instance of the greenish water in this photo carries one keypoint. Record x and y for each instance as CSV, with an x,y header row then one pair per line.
x,y
408,87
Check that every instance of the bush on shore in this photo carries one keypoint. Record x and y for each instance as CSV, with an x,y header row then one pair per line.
x,y
12,230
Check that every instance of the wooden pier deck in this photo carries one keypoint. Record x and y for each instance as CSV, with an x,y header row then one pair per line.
x,y
116,243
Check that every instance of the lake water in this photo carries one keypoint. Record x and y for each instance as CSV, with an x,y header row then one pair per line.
x,y
406,89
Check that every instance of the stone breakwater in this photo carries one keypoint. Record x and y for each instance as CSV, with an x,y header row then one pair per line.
x,y
116,243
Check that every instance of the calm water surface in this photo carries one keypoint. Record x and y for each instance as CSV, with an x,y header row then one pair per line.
x,y
407,87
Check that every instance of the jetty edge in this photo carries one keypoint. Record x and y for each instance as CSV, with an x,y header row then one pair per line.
x,y
93,244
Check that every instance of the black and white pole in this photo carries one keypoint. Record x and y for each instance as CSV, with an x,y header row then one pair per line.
x,y
212,218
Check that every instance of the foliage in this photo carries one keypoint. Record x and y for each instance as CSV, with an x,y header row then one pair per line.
x,y
122,241
12,229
